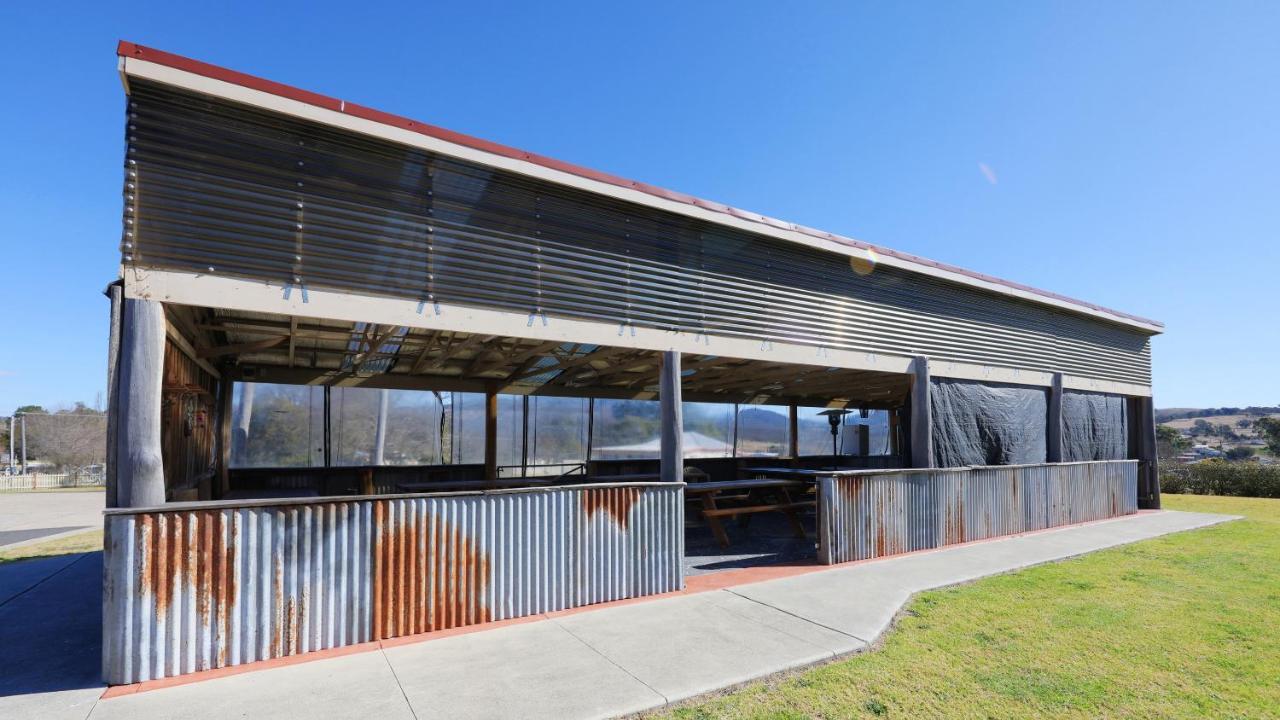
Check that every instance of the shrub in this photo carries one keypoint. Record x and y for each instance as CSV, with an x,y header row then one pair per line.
x,y
1216,477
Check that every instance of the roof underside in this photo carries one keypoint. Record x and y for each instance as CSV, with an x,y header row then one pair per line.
x,y
278,348
658,197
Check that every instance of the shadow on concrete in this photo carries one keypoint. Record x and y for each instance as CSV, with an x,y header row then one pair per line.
x,y
51,624
767,539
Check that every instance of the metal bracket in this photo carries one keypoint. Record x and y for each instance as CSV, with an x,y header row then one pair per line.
x,y
288,290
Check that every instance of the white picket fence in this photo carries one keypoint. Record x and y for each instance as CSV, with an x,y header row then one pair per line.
x,y
51,481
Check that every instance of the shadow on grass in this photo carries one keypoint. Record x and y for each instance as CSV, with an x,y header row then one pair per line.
x,y
51,624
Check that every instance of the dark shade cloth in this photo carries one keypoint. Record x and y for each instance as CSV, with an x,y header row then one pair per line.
x,y
1094,427
988,423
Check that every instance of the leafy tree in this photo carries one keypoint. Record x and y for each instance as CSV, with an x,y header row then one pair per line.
x,y
1170,442
33,409
1202,427
1269,427
1239,453
1244,423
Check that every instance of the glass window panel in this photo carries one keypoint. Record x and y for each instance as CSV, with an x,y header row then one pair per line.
x,y
467,424
878,435
625,430
285,425
815,432
762,431
708,430
510,425
412,427
355,412
557,432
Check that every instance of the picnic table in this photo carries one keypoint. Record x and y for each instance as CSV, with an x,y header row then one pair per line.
x,y
629,477
743,498
804,473
271,494
418,486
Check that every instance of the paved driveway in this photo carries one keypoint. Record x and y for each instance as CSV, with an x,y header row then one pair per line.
x,y
30,516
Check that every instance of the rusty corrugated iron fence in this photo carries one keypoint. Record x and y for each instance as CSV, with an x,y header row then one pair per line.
x,y
866,514
199,586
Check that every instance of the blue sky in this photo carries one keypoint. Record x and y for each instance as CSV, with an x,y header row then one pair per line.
x,y
1123,153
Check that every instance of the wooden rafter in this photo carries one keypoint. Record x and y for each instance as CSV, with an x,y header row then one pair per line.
x,y
374,347
241,348
572,362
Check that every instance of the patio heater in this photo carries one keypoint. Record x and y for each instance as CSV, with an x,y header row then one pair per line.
x,y
835,417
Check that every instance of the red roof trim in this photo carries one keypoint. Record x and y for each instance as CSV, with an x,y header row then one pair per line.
x,y
178,62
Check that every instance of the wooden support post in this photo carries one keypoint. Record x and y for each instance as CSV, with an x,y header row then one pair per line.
x,y
1053,435
921,415
116,293
380,428
864,433
895,423
240,430
491,434
671,468
225,393
591,430
140,465
524,436
793,432
1148,468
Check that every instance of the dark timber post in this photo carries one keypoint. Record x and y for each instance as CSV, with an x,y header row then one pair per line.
x,y
793,432
921,415
115,292
491,434
1148,469
140,467
225,389
1053,451
671,468
864,433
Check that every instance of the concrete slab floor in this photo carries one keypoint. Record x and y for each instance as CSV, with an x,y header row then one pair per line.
x,y
595,663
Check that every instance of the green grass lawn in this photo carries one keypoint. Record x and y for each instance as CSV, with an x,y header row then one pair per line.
x,y
87,541
1186,625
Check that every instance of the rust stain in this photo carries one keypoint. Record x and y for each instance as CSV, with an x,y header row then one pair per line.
x,y
155,543
291,627
204,560
616,502
429,556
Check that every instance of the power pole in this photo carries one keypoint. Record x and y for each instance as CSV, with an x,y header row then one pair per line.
x,y
24,443
11,429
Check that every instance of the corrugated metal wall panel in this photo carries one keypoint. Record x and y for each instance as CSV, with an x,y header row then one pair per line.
x,y
247,193
190,590
870,515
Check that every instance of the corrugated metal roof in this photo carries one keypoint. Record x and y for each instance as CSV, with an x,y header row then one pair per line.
x,y
178,62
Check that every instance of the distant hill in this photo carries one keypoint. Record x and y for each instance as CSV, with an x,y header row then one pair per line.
x,y
1167,414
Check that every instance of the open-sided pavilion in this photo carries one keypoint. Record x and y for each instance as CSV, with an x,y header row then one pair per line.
x,y
273,236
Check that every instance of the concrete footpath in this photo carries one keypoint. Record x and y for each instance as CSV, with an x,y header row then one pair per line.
x,y
610,661
32,517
